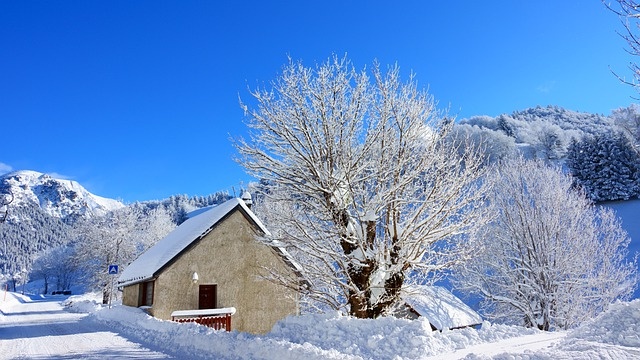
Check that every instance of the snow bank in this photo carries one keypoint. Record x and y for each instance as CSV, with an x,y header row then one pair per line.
x,y
9,300
614,334
86,303
310,337
192,341
620,325
386,338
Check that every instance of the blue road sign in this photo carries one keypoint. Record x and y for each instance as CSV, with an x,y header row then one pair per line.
x,y
113,269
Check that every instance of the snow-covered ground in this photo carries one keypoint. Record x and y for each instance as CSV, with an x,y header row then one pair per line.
x,y
629,213
40,328
79,328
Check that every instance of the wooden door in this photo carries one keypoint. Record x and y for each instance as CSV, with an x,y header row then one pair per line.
x,y
207,298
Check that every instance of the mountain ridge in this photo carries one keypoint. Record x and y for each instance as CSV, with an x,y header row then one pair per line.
x,y
60,198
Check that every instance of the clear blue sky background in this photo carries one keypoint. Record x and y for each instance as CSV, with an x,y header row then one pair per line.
x,y
137,100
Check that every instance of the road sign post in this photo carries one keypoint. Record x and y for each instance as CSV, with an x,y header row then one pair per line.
x,y
112,270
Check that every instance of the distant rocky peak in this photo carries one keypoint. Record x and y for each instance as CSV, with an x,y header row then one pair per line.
x,y
65,199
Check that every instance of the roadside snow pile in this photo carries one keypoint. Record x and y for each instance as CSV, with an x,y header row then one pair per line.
x,y
614,334
620,325
86,303
309,337
194,341
386,338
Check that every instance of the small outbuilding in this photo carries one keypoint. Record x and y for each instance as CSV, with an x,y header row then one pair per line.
x,y
213,261
439,306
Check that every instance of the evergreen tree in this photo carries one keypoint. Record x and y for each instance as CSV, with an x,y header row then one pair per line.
x,y
506,125
605,166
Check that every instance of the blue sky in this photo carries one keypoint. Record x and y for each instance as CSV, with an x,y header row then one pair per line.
x,y
138,100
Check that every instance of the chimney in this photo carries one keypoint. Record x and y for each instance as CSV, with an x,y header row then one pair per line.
x,y
246,197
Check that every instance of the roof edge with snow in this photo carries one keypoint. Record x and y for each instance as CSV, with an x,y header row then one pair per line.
x,y
172,246
440,307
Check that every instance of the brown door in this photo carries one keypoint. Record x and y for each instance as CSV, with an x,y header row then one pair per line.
x,y
207,298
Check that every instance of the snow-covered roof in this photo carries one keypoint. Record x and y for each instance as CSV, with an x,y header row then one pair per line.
x,y
159,255
438,305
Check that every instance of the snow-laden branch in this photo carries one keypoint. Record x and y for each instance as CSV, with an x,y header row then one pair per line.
x,y
550,259
360,182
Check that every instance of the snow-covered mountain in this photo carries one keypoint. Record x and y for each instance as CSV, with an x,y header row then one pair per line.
x,y
63,199
45,208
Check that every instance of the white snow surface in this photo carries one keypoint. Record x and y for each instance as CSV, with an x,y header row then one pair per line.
x,y
204,312
438,305
79,328
152,260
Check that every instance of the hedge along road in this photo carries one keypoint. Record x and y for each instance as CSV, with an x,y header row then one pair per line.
x,y
39,328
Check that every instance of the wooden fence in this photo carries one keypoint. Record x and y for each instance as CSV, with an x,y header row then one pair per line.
x,y
214,318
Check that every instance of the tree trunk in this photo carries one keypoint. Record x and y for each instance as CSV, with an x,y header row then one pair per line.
x,y
46,285
105,295
393,284
391,294
359,273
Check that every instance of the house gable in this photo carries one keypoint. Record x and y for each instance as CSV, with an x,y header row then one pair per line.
x,y
229,257
222,250
191,231
257,230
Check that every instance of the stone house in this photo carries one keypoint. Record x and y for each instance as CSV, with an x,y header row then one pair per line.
x,y
213,260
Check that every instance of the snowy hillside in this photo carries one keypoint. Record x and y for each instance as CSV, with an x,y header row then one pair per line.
x,y
600,152
46,211
57,197
629,213
39,218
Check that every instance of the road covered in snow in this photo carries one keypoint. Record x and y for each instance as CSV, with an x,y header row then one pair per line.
x,y
39,328
80,328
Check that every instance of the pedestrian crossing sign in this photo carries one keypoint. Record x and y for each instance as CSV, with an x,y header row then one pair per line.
x,y
113,269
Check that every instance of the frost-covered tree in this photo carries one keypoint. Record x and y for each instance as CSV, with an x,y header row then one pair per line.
x,y
65,270
491,144
42,269
505,124
551,142
627,121
550,259
359,182
629,13
543,133
117,238
56,266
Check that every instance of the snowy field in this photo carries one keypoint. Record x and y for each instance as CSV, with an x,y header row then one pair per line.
x,y
78,328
